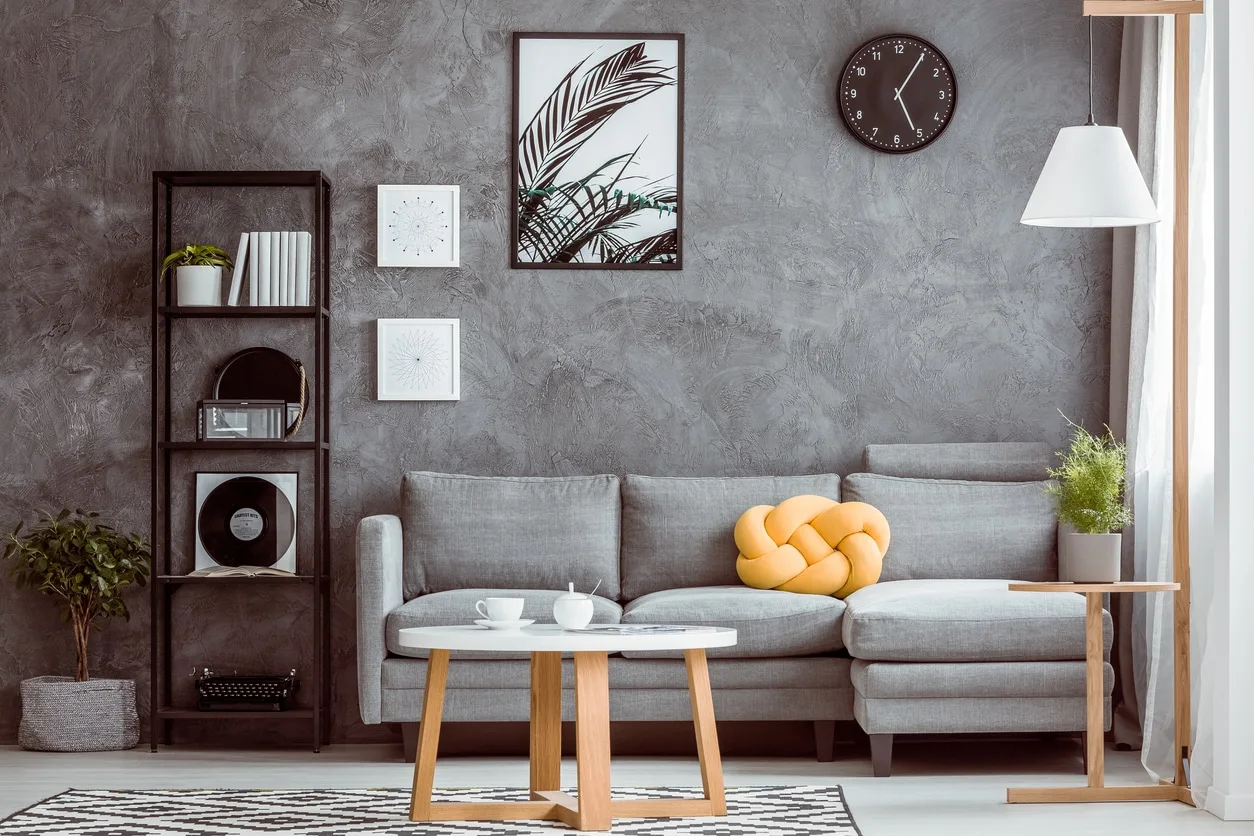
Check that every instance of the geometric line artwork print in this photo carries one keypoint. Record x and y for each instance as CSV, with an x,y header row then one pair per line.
x,y
419,226
417,359
751,811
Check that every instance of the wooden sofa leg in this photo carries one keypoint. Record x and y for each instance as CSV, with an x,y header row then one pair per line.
x,y
825,741
881,755
409,741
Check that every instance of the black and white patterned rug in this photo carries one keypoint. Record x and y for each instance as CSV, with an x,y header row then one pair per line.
x,y
751,811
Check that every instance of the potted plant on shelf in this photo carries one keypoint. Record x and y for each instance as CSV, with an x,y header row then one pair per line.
x,y
1091,511
198,273
86,566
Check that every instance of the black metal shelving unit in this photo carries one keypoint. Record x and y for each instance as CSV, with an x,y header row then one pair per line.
x,y
162,712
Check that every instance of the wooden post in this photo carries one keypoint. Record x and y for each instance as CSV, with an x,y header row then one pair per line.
x,y
1179,11
1180,400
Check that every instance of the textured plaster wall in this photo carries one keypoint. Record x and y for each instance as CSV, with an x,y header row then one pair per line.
x,y
832,296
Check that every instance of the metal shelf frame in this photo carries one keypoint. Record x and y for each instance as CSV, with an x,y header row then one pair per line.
x,y
162,714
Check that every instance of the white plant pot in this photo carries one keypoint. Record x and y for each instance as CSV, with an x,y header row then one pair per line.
x,y
198,285
1089,558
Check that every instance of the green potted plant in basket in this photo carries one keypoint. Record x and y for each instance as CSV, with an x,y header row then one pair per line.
x,y
1091,511
86,566
198,273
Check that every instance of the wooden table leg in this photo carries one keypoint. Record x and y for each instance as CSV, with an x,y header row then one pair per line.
x,y
707,734
592,738
428,736
1095,687
546,722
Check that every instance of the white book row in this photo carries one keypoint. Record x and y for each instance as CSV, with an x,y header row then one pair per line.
x,y
278,268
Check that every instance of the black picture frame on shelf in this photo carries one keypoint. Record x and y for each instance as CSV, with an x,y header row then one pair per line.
x,y
315,707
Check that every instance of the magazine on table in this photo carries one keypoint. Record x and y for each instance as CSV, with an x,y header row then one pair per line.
x,y
642,629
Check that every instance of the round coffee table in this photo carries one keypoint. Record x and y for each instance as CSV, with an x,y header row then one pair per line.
x,y
593,808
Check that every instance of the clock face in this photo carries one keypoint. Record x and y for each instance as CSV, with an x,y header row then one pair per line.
x,y
897,93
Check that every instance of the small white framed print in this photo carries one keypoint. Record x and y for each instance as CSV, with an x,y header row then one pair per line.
x,y
419,226
419,359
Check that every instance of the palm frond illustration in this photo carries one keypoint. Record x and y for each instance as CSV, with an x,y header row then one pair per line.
x,y
582,219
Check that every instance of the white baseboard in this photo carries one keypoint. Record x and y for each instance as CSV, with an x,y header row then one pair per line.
x,y
1230,807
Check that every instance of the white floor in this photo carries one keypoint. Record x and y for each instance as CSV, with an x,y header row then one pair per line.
x,y
937,788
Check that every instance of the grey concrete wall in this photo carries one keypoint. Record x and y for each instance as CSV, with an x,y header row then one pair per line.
x,y
832,296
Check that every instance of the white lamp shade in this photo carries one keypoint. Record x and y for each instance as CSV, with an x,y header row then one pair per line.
x,y
1090,179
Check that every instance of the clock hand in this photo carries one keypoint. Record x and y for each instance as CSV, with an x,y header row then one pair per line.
x,y
897,92
902,102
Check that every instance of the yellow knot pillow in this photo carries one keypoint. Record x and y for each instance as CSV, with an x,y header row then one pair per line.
x,y
811,544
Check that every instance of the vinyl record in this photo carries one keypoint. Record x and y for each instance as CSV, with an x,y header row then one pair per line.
x,y
246,521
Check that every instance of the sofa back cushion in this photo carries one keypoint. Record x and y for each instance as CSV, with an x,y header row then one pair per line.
x,y
945,528
510,532
677,531
1007,461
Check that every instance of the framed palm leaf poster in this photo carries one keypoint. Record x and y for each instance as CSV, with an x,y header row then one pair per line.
x,y
598,151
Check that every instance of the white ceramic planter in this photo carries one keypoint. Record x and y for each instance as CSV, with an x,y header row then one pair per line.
x,y
1089,558
198,285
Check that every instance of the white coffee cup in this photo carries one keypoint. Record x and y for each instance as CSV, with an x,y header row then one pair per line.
x,y
500,609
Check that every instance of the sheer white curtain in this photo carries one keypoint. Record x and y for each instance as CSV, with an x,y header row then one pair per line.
x,y
1149,411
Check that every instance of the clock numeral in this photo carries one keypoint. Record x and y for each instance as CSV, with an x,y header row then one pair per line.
x,y
858,115
942,94
874,131
896,139
860,70
875,55
936,73
918,132
898,49
853,94
935,117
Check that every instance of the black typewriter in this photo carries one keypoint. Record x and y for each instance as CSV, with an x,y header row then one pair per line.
x,y
244,692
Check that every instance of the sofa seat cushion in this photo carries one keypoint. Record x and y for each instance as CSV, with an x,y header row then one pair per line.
x,y
768,622
457,606
964,621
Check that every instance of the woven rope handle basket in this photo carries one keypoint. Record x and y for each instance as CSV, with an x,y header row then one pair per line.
x,y
61,715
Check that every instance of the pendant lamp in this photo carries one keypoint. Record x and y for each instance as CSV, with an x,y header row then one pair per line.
x,y
1090,178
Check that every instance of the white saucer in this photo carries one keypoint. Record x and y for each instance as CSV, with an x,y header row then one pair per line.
x,y
505,625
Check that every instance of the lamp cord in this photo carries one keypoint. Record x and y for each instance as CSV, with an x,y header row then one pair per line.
x,y
1091,121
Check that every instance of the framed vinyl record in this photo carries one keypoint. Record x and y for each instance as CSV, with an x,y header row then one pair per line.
x,y
246,519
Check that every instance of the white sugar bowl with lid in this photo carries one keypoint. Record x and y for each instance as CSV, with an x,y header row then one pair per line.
x,y
573,610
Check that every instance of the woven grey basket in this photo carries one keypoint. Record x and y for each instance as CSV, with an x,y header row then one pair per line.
x,y
61,715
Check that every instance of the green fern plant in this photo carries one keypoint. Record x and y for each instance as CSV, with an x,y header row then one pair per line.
x,y
1090,480
197,255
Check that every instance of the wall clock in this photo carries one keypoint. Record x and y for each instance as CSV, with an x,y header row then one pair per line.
x,y
897,93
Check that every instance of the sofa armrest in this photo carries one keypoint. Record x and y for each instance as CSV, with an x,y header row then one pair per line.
x,y
379,591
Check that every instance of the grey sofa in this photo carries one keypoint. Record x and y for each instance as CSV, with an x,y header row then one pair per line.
x,y
938,645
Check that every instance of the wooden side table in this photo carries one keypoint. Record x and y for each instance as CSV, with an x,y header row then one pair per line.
x,y
1095,701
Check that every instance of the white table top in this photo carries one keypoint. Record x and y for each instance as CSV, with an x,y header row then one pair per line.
x,y
550,637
